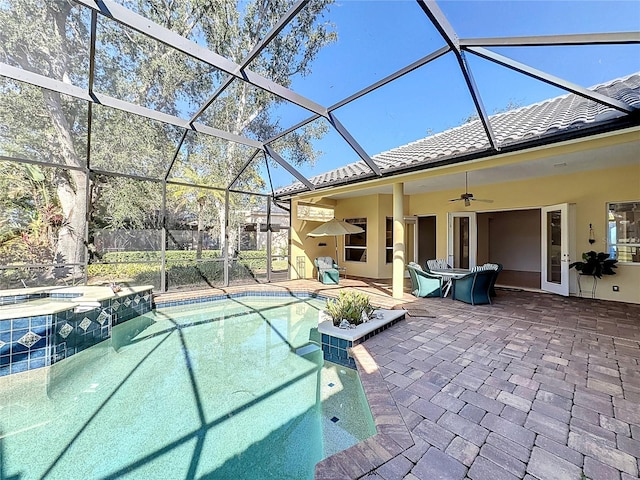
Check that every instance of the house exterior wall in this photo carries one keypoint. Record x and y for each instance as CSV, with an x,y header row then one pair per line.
x,y
589,190
368,207
305,249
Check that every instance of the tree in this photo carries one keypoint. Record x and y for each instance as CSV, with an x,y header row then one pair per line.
x,y
53,128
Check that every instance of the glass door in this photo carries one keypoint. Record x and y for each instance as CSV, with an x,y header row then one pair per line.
x,y
556,248
462,240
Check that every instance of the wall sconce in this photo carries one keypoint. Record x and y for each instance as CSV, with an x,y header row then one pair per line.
x,y
592,238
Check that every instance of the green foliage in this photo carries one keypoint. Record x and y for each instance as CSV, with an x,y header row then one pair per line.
x,y
181,268
31,216
53,128
349,306
595,264
171,256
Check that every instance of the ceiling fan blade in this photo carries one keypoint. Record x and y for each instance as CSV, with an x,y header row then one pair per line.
x,y
482,200
456,199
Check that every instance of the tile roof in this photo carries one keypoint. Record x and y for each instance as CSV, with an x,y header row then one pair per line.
x,y
557,117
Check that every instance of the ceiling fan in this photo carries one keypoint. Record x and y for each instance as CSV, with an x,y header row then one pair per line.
x,y
466,196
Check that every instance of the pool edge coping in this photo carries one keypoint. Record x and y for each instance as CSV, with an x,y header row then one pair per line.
x,y
393,437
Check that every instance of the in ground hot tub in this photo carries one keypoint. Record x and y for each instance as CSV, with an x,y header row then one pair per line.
x,y
41,326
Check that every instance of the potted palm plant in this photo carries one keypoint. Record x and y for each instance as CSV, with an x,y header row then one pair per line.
x,y
595,264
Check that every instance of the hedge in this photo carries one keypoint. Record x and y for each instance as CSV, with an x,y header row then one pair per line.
x,y
181,269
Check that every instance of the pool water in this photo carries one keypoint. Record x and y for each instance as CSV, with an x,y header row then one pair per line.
x,y
235,389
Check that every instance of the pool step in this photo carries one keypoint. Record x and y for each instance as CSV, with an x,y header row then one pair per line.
x,y
307,349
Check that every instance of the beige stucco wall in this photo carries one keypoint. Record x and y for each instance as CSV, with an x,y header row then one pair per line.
x,y
588,190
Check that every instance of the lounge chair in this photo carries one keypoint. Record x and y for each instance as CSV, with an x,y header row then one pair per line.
x,y
328,272
473,288
424,284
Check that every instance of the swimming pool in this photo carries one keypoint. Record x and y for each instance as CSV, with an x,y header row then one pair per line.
x,y
229,389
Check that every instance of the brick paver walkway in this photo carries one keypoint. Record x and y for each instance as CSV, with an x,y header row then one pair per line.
x,y
536,386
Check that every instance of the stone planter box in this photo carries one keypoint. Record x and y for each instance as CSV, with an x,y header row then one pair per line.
x,y
336,341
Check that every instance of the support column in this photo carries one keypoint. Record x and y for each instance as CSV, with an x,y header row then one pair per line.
x,y
398,240
164,280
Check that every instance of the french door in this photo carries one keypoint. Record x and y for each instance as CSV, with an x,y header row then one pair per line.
x,y
557,247
462,240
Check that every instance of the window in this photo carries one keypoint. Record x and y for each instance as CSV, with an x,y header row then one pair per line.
x,y
389,240
355,245
623,231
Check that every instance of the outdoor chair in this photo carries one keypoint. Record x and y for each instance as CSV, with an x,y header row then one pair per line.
x,y
494,267
328,272
473,288
424,284
437,264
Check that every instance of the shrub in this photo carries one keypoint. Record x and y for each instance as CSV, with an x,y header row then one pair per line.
x,y
182,268
349,306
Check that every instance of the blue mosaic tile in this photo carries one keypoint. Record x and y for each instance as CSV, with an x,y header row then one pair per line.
x,y
18,367
17,323
40,343
37,362
213,298
18,334
19,356
4,370
40,321
38,353
5,325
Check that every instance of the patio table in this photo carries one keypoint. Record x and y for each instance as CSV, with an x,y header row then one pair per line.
x,y
343,271
448,274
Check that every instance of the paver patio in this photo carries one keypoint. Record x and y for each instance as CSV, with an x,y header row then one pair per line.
x,y
533,386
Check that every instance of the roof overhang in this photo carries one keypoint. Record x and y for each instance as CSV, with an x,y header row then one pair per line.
x,y
568,154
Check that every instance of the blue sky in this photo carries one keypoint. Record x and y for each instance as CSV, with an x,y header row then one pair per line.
x,y
376,38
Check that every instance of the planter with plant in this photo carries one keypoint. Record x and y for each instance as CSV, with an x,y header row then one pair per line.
x,y
594,265
349,320
350,308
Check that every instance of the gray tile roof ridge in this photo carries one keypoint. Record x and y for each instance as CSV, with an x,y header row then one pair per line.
x,y
562,113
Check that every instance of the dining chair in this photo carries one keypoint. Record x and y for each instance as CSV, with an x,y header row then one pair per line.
x,y
424,284
473,288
